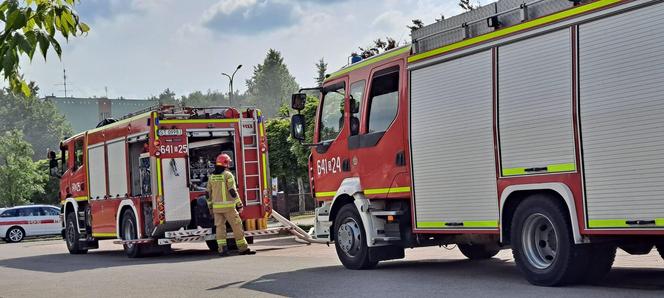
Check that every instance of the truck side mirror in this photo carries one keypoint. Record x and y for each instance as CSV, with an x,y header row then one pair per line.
x,y
298,127
53,164
298,100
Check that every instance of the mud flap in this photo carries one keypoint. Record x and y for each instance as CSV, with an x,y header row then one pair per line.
x,y
383,253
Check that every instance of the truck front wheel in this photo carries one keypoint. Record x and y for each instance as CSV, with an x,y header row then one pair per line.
x,y
542,243
72,235
351,239
130,232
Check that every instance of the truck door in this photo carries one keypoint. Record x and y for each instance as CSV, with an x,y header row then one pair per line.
x,y
330,159
379,148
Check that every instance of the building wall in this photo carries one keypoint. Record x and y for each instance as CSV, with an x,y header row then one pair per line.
x,y
86,113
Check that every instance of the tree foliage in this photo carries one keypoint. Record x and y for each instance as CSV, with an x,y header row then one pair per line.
x,y
38,120
321,68
32,24
20,177
467,6
271,84
281,157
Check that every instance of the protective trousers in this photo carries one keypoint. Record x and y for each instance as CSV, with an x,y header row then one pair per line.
x,y
221,215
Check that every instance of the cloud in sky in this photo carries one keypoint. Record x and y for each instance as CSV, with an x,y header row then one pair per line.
x,y
138,48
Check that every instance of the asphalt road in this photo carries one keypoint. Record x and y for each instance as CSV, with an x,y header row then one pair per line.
x,y
284,267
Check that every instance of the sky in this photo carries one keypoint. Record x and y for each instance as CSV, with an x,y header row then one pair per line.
x,y
138,48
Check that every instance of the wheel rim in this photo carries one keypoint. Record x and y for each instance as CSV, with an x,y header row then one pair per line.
x,y
16,235
349,237
70,233
540,241
129,232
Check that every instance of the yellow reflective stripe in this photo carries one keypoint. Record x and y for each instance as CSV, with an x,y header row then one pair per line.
x,y
564,167
369,61
430,224
238,201
159,176
241,241
80,199
221,241
377,191
198,121
513,29
264,171
326,194
104,234
219,205
555,168
466,224
620,223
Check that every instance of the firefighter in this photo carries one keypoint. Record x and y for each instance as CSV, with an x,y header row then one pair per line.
x,y
226,206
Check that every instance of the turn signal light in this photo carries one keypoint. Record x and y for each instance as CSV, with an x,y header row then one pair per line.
x,y
390,218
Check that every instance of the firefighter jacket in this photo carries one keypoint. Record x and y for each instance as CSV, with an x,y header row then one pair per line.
x,y
219,188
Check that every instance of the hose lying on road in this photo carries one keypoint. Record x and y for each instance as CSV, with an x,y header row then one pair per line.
x,y
301,235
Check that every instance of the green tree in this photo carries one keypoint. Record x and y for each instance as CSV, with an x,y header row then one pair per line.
x,y
166,97
39,120
20,177
51,194
281,156
271,83
32,24
321,68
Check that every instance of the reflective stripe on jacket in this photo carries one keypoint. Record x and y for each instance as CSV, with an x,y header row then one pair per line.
x,y
219,194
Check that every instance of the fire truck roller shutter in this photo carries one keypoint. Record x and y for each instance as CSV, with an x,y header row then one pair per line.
x,y
535,105
454,172
176,190
117,168
622,118
97,171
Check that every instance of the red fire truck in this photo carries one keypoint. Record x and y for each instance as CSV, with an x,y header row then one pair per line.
x,y
142,179
536,126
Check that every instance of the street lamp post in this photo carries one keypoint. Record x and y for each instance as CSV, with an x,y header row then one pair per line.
x,y
230,78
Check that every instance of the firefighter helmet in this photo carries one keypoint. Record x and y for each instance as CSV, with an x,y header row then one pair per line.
x,y
224,160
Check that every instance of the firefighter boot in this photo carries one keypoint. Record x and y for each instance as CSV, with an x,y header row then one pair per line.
x,y
247,252
223,251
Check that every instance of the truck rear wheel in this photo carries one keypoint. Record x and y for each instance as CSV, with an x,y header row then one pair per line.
x,y
479,251
542,243
72,236
351,240
600,260
130,232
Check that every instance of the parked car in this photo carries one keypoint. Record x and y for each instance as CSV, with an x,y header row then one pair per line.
x,y
19,222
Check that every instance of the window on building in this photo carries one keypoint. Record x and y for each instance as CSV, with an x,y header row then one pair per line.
x,y
384,100
332,114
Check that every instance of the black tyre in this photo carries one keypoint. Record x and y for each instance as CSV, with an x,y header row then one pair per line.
x,y
129,231
479,251
600,260
72,235
543,245
15,234
351,239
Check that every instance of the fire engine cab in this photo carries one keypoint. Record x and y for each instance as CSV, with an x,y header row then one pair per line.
x,y
142,179
535,126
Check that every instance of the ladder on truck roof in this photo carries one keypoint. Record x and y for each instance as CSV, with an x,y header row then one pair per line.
x,y
249,129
